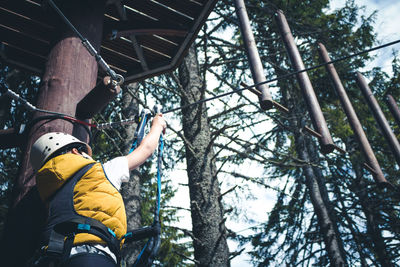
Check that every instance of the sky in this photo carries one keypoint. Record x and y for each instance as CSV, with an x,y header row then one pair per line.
x,y
387,23
386,26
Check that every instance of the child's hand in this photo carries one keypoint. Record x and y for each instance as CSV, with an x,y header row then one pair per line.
x,y
159,121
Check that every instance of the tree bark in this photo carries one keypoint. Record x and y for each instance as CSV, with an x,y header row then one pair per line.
x,y
71,73
320,201
131,190
4,109
210,244
306,149
375,242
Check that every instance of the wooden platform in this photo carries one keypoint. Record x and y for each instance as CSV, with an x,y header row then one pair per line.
x,y
141,38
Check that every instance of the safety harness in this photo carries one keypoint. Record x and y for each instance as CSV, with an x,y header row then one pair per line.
x,y
64,223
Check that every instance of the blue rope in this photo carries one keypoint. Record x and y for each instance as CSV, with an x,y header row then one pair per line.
x,y
141,253
134,145
159,173
153,244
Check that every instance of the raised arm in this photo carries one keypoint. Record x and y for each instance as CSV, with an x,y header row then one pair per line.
x,y
148,145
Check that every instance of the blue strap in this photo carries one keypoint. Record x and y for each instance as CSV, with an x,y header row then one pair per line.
x,y
150,250
111,232
127,235
82,226
140,255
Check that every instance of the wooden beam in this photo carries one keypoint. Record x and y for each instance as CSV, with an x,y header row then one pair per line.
x,y
139,52
314,109
11,137
96,99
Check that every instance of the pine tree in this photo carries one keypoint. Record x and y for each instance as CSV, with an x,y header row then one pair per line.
x,y
292,235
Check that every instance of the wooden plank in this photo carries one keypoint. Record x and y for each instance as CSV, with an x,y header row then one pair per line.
x,y
25,27
123,47
184,6
153,55
200,2
113,58
34,12
164,16
110,25
152,66
133,18
36,26
24,42
156,44
23,58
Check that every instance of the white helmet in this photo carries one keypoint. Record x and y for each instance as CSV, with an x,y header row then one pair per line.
x,y
49,143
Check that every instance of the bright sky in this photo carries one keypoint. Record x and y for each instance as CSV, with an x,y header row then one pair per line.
x,y
388,21
386,26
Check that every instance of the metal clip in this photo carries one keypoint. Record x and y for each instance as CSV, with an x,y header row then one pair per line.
x,y
157,109
143,118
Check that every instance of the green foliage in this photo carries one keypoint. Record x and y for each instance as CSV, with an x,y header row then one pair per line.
x,y
12,115
242,135
291,235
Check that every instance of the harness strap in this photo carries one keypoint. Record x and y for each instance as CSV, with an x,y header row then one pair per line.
x,y
55,247
91,226
65,223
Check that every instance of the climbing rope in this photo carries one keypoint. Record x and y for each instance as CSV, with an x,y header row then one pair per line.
x,y
150,250
30,107
103,126
140,129
282,76
116,79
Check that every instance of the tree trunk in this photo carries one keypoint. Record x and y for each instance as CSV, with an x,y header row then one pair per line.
x,y
375,242
210,244
71,72
4,109
320,201
306,149
131,190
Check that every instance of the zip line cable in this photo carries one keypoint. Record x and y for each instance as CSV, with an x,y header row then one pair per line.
x,y
30,107
284,76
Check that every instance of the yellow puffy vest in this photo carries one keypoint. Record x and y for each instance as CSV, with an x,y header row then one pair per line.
x,y
94,195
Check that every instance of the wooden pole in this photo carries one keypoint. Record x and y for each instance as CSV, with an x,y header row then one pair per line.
x,y
93,103
70,73
250,46
11,137
313,106
379,117
352,116
394,108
